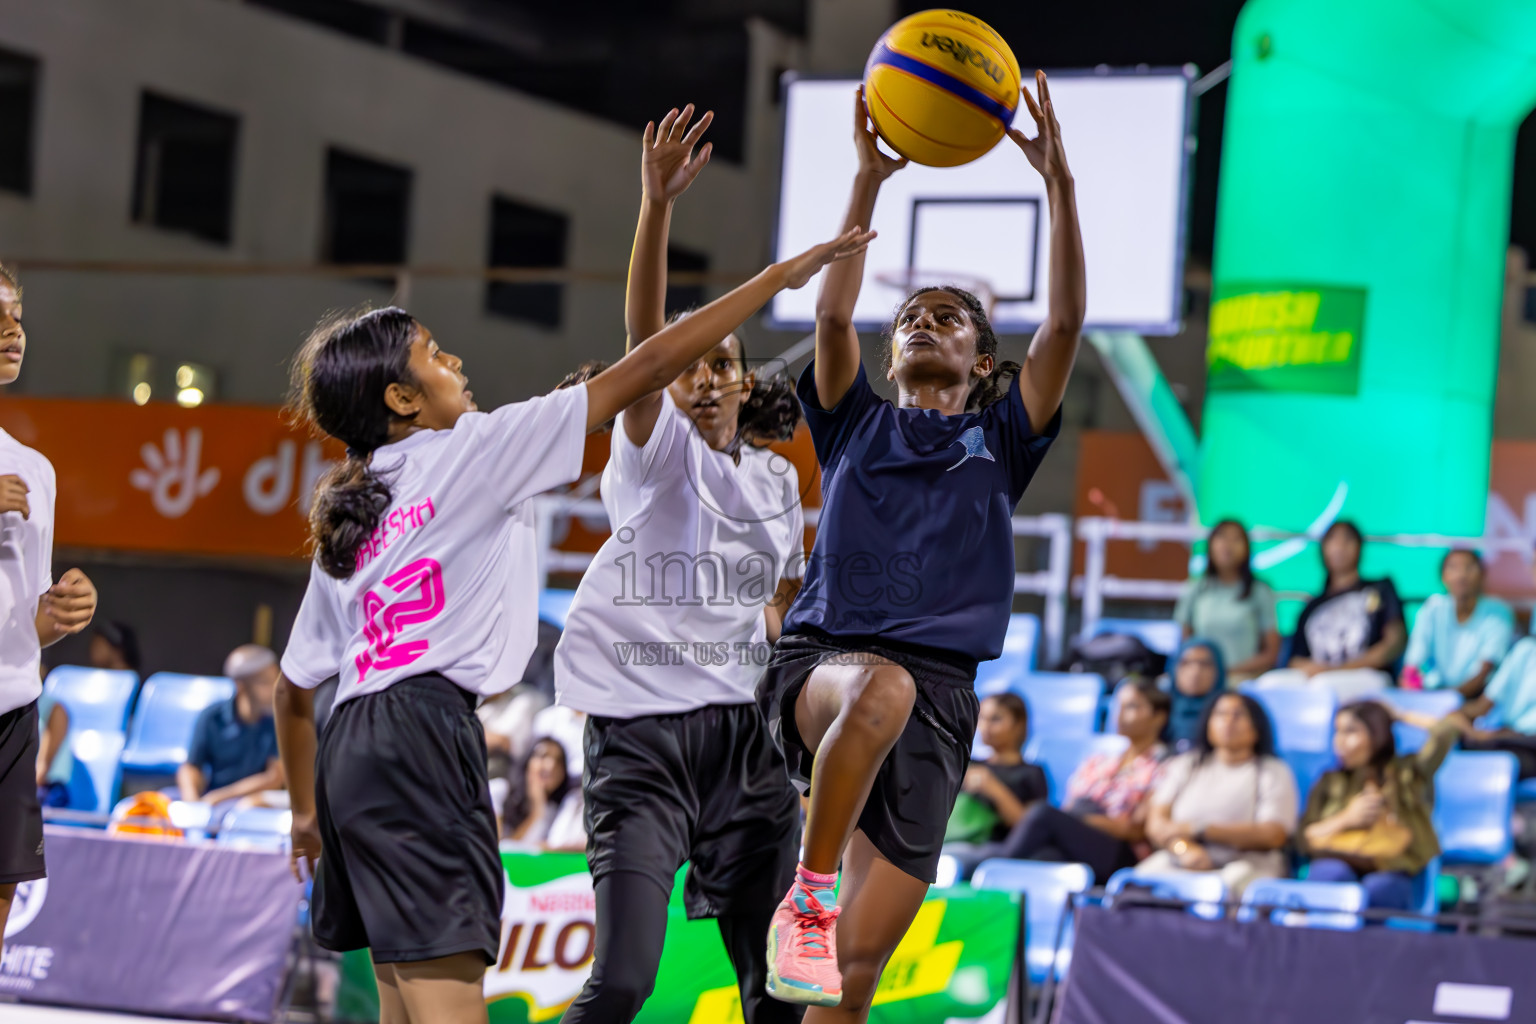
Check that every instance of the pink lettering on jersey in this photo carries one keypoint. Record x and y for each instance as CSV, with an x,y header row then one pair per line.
x,y
394,527
421,587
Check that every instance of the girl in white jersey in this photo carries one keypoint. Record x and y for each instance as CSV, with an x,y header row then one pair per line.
x,y
423,597
664,644
36,612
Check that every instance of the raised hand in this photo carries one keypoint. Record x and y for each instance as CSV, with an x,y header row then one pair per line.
x,y
669,164
803,267
1044,151
871,160
13,495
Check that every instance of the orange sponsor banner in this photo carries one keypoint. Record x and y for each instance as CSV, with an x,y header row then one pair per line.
x,y
216,480
1512,515
1118,476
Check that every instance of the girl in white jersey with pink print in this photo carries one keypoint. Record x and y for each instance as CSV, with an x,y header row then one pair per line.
x,y
422,597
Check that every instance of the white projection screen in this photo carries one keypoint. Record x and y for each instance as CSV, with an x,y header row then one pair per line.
x,y
1129,142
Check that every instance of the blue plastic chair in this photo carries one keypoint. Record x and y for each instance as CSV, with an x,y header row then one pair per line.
x,y
1060,755
1061,703
95,698
1018,657
162,727
1048,890
1161,635
1474,802
1335,905
1302,715
1308,766
1203,891
93,782
1437,703
256,828
555,605
1525,790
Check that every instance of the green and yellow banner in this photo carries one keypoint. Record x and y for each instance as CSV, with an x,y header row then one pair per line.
x,y
953,965
1286,337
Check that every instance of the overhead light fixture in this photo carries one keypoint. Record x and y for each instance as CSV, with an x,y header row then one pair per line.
x,y
141,392
189,398
185,376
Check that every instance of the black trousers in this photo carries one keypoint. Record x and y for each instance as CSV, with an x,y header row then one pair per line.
x,y
631,927
1047,833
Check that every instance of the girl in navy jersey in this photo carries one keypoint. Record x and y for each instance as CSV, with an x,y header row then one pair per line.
x,y
707,532
423,597
35,612
870,690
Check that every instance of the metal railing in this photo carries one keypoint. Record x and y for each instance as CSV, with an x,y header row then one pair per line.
x,y
1052,583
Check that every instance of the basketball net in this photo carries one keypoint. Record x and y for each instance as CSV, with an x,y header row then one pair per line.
x,y
898,284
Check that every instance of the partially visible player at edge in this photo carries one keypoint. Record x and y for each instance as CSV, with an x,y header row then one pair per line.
x,y
679,764
423,596
41,613
871,687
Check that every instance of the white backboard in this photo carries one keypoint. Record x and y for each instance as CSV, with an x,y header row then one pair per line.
x,y
1128,141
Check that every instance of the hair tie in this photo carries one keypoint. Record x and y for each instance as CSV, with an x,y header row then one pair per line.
x,y
356,453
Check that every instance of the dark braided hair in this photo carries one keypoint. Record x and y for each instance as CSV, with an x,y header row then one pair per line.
x,y
339,379
988,390
771,411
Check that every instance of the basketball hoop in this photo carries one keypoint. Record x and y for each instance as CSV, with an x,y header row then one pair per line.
x,y
901,283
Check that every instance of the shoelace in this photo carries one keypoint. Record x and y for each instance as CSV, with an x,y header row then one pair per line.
x,y
811,939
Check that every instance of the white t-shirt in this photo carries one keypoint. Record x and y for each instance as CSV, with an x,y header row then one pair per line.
x,y
669,616
1259,791
449,581
26,573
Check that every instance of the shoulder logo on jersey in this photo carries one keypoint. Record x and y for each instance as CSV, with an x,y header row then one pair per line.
x,y
975,442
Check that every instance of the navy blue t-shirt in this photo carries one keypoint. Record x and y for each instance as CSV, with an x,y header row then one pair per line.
x,y
227,749
915,541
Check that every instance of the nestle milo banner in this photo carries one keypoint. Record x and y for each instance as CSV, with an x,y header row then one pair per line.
x,y
1286,337
952,967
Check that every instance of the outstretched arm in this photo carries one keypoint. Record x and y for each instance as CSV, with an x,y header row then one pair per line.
x,y
654,363
668,166
1043,382
837,343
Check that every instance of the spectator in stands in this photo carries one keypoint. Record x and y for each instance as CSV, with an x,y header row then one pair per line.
x,y
1103,823
55,756
1349,637
1459,637
1199,677
1229,805
1504,716
1370,820
508,717
1229,607
544,806
995,793
234,743
115,645
569,726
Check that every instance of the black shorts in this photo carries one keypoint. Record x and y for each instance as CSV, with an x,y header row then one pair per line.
x,y
409,864
915,790
707,787
21,816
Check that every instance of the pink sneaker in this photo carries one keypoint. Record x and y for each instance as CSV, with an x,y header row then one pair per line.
x,y
802,948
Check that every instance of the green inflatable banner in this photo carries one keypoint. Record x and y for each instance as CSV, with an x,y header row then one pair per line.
x,y
952,967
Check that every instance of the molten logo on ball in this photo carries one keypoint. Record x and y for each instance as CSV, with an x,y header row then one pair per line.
x,y
964,54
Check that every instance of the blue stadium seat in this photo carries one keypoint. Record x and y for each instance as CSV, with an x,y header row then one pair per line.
x,y
1334,905
555,605
1018,657
1203,891
1436,703
93,782
1048,891
95,698
1308,766
257,828
1060,755
1061,703
1161,635
1525,790
1474,802
162,726
1302,715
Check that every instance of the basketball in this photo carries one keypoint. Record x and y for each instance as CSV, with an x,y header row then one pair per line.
x,y
942,87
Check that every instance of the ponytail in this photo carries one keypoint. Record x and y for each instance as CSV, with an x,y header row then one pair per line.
x,y
350,503
992,388
771,412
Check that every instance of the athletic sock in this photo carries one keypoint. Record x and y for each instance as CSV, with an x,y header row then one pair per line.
x,y
812,880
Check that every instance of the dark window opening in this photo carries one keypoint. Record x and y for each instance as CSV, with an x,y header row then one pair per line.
x,y
526,236
18,104
363,21
184,178
367,210
689,294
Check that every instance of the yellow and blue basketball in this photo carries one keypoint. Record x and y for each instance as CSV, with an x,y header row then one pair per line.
x,y
942,87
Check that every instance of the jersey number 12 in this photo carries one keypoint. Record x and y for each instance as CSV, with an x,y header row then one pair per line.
x,y
383,621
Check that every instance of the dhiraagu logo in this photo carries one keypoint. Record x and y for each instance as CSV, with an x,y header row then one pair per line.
x,y
26,905
921,966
